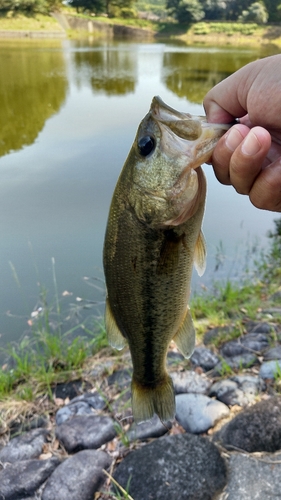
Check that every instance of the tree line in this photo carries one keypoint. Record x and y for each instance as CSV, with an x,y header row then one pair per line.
x,y
184,11
190,11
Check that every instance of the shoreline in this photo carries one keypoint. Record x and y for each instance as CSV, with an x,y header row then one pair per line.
x,y
66,25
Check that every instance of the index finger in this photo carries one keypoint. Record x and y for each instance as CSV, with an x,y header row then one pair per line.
x,y
222,104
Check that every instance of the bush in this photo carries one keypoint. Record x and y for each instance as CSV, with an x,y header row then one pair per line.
x,y
128,13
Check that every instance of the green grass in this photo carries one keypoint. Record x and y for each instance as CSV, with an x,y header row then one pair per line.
x,y
51,355
228,29
20,22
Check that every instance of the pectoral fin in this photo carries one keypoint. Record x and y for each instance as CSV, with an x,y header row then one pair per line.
x,y
115,337
200,254
185,336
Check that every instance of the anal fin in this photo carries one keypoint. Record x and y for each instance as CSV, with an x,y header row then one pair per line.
x,y
115,337
200,254
185,336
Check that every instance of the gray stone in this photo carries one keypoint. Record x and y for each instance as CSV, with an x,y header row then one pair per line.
x,y
245,360
190,381
174,358
269,369
251,342
27,445
261,327
68,389
151,429
197,413
257,428
120,378
273,311
227,392
177,467
93,399
23,478
69,411
205,358
251,478
238,390
78,477
273,353
215,333
82,432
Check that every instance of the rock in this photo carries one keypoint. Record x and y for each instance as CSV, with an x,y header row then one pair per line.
x,y
197,413
182,467
23,478
239,390
85,432
251,478
93,399
269,369
71,410
245,360
220,332
18,427
261,327
151,429
254,341
174,358
276,296
204,357
25,446
189,381
120,378
272,311
78,477
257,428
227,392
68,390
273,353
81,405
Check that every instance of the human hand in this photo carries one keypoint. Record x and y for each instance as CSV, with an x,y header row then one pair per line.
x,y
248,156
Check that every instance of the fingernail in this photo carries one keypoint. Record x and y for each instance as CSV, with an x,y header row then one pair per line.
x,y
251,145
233,139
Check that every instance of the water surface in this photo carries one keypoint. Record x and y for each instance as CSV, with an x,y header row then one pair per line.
x,y
69,114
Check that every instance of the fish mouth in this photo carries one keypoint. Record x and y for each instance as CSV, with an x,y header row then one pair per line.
x,y
190,134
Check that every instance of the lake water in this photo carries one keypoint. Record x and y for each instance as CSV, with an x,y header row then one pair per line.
x,y
69,113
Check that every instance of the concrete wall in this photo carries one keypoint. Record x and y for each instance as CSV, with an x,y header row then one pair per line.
x,y
106,29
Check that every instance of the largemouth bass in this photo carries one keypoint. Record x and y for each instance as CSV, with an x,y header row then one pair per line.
x,y
152,240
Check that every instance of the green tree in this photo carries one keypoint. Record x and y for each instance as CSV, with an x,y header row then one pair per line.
x,y
274,10
214,9
25,6
114,7
95,6
233,8
256,13
186,11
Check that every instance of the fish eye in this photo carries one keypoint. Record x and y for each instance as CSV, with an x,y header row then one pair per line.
x,y
146,145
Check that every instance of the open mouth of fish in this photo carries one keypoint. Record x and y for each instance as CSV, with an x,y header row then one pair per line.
x,y
196,137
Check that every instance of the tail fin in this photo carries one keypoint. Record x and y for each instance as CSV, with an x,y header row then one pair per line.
x,y
159,399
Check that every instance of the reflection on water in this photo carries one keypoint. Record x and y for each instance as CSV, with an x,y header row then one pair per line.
x,y
191,74
113,72
33,87
87,100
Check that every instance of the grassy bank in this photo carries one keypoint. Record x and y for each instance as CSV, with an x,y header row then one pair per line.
x,y
38,22
47,356
202,32
232,33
